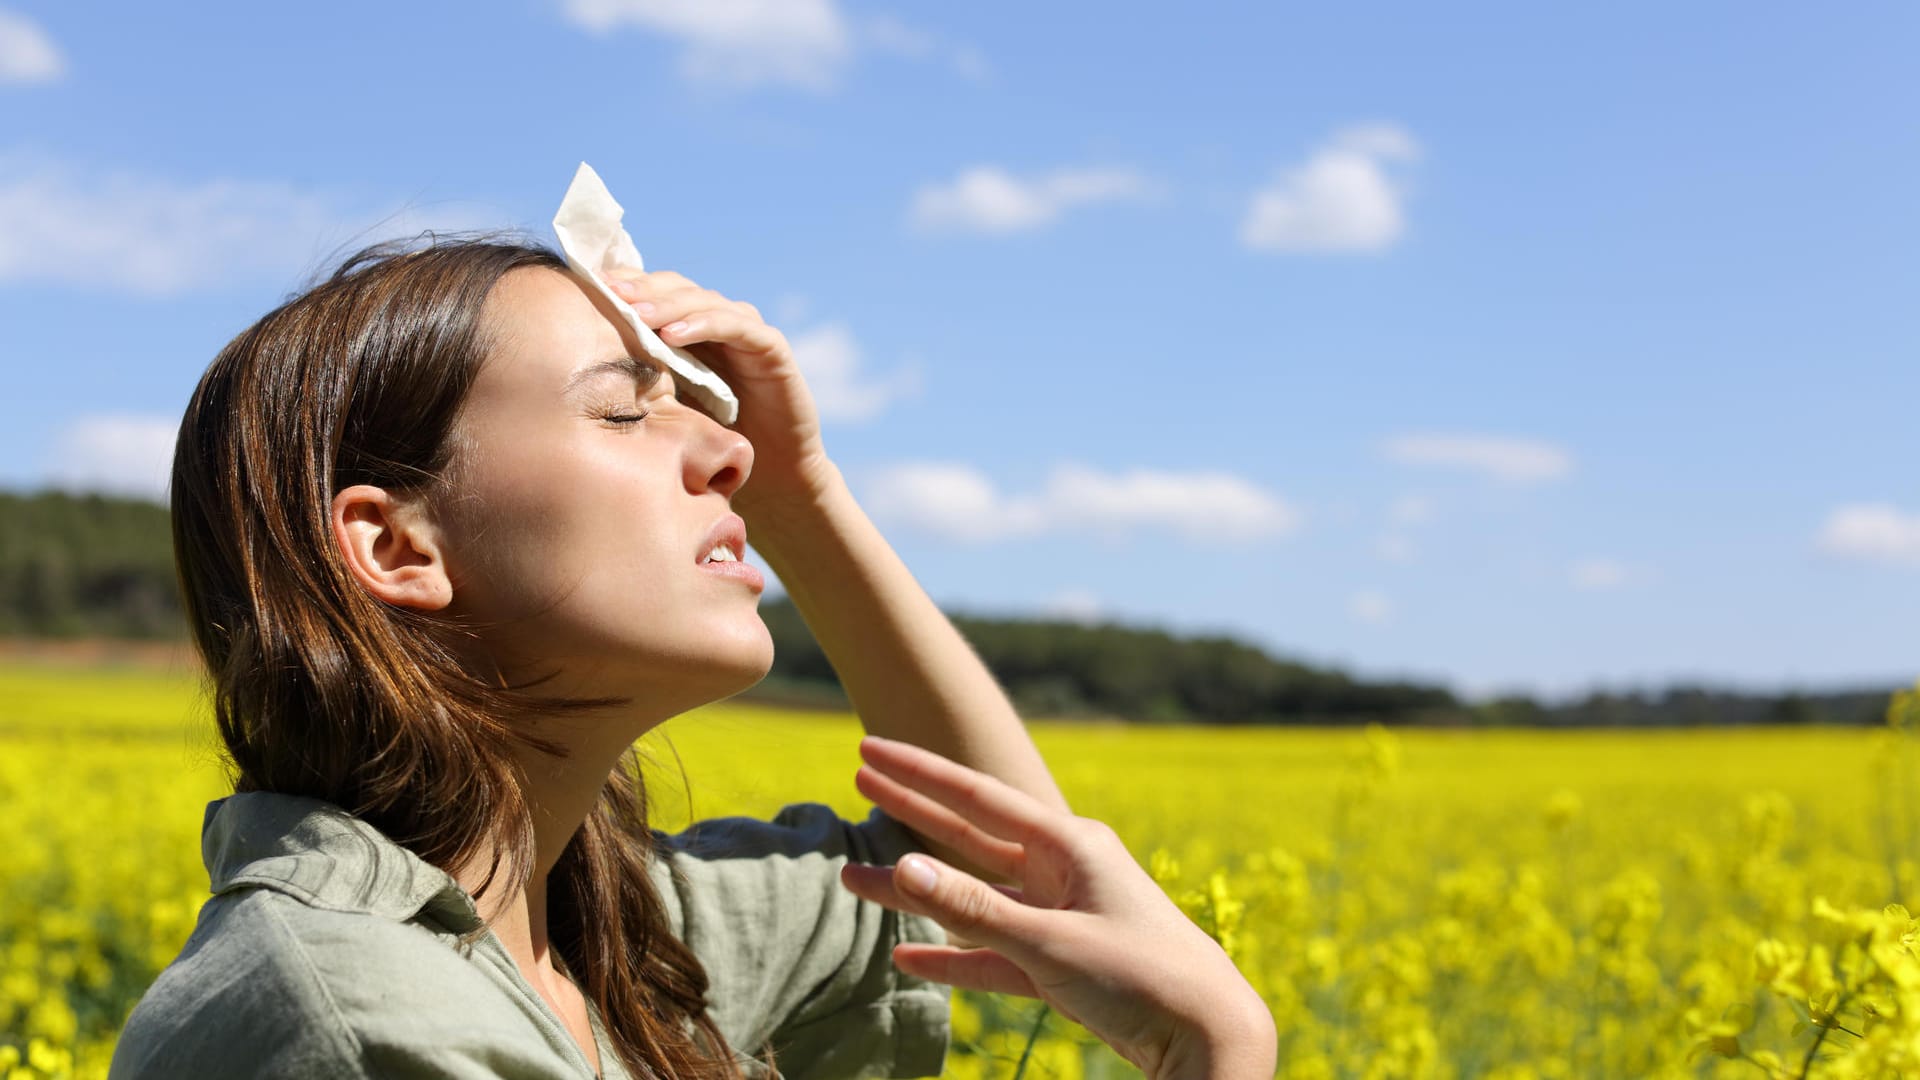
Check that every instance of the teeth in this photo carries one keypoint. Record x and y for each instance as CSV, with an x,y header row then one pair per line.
x,y
721,553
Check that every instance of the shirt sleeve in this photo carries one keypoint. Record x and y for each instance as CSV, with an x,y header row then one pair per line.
x,y
239,1002
794,961
270,989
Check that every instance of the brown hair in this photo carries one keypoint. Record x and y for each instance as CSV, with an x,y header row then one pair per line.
x,y
321,690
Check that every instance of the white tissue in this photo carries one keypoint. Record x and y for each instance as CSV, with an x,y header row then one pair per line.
x,y
588,225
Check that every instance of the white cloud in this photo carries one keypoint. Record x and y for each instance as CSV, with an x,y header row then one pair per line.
x,y
1370,606
737,43
960,502
887,34
956,501
988,199
60,222
830,359
1513,460
1203,506
27,54
1874,532
124,454
1074,605
741,44
1594,575
1342,199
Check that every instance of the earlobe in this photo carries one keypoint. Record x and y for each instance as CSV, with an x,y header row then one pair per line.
x,y
391,548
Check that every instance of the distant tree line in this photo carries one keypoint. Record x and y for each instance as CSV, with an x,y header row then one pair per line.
x,y
1059,668
99,566
1689,706
86,566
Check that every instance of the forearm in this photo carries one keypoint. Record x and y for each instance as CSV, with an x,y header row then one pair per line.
x,y
910,674
1236,1040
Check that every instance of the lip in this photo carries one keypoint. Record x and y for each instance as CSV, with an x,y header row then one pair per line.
x,y
731,531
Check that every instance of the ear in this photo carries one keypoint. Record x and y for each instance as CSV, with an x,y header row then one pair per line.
x,y
391,548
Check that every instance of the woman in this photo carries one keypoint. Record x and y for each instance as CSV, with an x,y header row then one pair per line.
x,y
449,549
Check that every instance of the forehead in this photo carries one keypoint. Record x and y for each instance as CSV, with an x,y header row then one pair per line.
x,y
544,324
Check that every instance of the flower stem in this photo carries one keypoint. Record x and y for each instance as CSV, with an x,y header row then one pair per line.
x,y
1806,1063
1033,1036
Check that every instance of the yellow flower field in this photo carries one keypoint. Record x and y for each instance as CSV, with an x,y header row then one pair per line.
x,y
1411,904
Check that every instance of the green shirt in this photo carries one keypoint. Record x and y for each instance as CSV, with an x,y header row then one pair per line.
x,y
328,950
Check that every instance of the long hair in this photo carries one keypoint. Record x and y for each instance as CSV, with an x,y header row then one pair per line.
x,y
322,690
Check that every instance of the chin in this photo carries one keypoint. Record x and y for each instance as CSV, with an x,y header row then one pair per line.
x,y
728,662
755,660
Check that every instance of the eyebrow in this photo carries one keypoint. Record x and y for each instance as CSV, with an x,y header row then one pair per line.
x,y
643,374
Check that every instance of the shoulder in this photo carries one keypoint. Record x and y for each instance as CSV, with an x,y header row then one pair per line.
x,y
269,986
743,891
242,999
795,960
802,832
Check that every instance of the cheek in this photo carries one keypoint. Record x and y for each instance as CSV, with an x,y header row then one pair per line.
x,y
571,535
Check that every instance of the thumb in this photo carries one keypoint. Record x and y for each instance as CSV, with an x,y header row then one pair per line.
x,y
966,906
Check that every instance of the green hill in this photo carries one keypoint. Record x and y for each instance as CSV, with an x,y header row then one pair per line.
x,y
92,566
86,566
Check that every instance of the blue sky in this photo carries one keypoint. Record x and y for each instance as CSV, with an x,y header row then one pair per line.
x,y
1513,346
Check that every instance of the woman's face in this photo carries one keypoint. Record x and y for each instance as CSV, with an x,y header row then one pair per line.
x,y
586,502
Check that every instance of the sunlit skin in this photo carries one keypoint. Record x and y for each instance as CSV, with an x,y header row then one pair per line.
x,y
569,539
586,493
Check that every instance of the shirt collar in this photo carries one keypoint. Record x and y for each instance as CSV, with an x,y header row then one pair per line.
x,y
324,857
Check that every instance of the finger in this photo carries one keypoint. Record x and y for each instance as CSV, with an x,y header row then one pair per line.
x,y
968,969
996,807
661,291
724,326
961,903
669,279
875,883
942,826
633,285
658,278
656,305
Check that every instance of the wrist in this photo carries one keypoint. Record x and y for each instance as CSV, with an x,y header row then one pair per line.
x,y
1236,1041
778,518
1245,1042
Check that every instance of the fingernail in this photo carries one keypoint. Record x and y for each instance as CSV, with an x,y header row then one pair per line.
x,y
644,307
916,875
672,328
621,286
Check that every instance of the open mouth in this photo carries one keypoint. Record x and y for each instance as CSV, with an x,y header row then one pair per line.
x,y
723,550
725,542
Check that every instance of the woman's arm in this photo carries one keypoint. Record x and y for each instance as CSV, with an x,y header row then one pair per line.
x,y
1086,930
911,676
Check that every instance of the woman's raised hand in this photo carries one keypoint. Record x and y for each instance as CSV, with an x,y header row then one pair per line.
x,y
1085,930
777,413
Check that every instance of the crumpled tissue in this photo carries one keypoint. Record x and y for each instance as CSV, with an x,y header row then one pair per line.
x,y
595,243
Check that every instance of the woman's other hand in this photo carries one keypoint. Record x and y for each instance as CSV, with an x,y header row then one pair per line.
x,y
1086,930
777,413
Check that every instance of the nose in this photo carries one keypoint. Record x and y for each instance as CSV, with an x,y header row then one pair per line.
x,y
719,458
